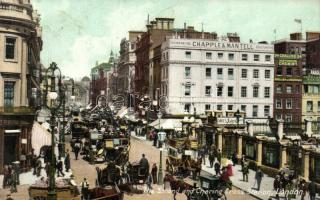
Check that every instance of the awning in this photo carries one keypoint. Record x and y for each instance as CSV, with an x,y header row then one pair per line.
x,y
122,112
40,137
170,124
12,131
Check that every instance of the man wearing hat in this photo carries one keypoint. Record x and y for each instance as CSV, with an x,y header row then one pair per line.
x,y
85,189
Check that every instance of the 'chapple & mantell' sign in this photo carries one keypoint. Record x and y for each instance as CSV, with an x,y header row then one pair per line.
x,y
220,45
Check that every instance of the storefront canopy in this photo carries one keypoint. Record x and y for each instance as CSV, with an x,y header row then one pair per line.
x,y
170,124
40,137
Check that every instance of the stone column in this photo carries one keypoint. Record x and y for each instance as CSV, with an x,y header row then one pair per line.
x,y
306,159
280,129
259,153
239,147
283,156
250,128
308,127
219,145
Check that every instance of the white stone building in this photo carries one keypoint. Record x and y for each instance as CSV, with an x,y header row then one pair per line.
x,y
217,75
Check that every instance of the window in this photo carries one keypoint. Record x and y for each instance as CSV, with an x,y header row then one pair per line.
x,y
267,92
243,108
250,151
268,58
279,116
230,74
187,90
279,71
208,72
288,103
298,89
243,91
8,94
231,56
244,57
267,74
230,91
230,107
255,73
187,72
289,71
187,107
220,73
288,118
309,106
244,73
10,48
188,54
278,104
220,55
207,107
279,89
209,55
219,91
208,90
255,92
318,106
219,107
289,89
266,111
254,111
256,57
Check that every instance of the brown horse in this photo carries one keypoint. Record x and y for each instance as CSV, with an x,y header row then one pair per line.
x,y
177,186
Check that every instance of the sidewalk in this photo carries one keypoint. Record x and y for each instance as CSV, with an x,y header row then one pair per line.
x,y
266,188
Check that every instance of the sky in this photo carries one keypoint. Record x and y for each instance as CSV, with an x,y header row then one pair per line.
x,y
77,33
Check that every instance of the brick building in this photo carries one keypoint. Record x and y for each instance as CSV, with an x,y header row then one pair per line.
x,y
289,62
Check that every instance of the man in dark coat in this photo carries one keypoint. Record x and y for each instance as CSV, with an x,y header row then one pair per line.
x,y
67,161
312,187
144,166
76,150
211,158
60,168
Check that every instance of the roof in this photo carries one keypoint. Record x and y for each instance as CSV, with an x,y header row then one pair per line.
x,y
105,66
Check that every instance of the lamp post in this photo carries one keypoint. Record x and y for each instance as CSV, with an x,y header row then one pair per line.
x,y
54,106
161,140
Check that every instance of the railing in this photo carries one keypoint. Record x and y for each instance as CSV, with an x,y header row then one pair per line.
x,y
11,7
17,110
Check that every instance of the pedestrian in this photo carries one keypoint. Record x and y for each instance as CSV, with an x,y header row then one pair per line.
x,y
13,181
203,151
219,155
234,158
39,166
303,188
149,183
34,164
245,171
259,175
60,168
85,189
155,138
144,166
154,172
76,150
277,185
243,159
5,176
67,161
211,158
217,167
312,187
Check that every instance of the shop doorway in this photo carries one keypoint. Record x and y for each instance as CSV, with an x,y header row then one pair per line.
x,y
10,153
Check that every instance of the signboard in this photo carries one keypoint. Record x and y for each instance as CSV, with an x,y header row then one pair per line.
x,y
223,45
109,144
288,62
23,141
229,120
288,56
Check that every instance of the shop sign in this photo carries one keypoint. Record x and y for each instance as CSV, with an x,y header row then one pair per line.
x,y
229,121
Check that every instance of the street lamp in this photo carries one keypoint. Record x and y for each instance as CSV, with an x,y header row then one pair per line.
x,y
55,104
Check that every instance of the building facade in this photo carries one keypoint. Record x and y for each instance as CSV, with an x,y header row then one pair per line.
x,y
220,75
20,74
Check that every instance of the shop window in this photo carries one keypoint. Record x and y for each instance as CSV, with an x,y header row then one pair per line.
x,y
270,156
250,151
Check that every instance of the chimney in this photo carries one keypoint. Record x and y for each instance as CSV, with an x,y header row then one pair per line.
x,y
185,30
295,36
308,125
280,129
250,128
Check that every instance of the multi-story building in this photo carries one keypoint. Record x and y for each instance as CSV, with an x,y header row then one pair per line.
x,y
20,70
148,52
126,68
99,84
289,62
220,75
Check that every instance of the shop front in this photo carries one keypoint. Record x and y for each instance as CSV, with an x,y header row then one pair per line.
x,y
229,144
294,157
315,167
271,154
249,148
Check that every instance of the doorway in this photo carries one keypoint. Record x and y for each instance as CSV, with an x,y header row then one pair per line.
x,y
10,153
